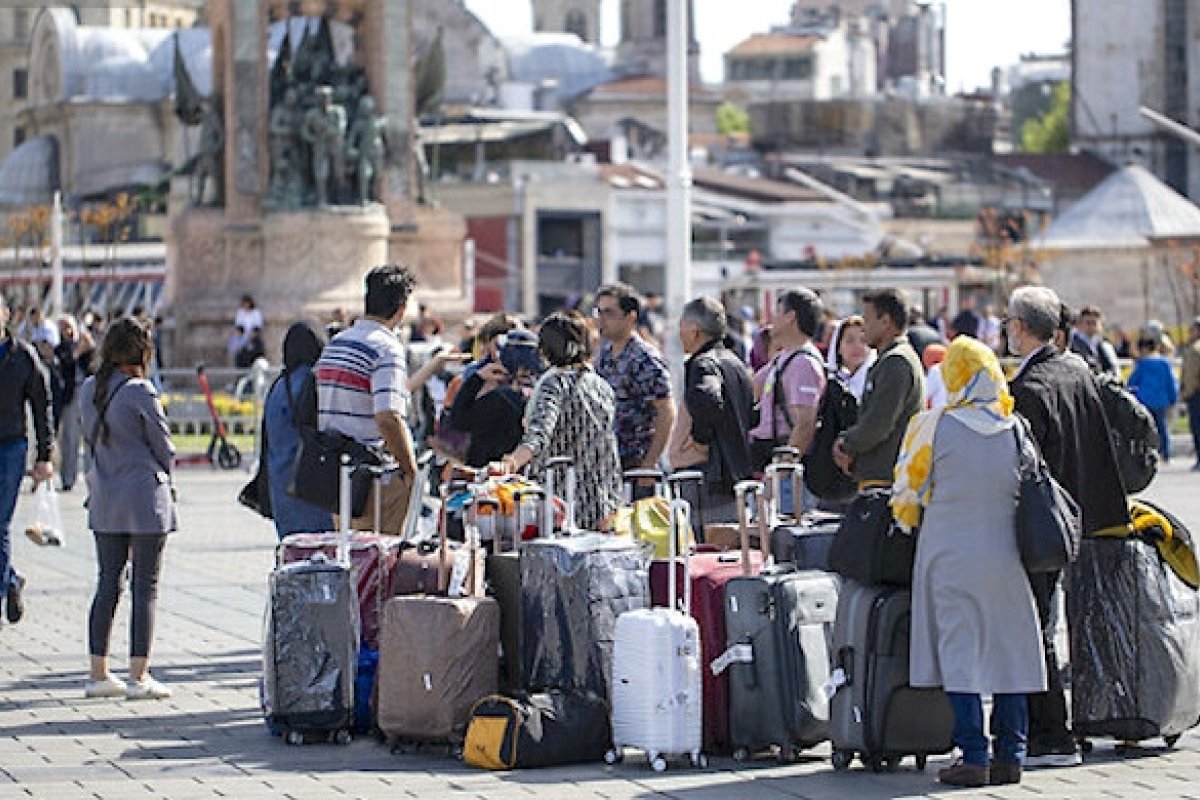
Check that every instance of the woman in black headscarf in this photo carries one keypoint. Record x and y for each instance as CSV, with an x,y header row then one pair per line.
x,y
291,402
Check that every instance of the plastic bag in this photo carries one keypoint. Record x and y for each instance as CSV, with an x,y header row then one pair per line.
x,y
45,528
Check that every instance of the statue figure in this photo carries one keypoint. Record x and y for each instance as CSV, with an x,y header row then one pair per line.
x,y
211,153
324,129
365,147
286,169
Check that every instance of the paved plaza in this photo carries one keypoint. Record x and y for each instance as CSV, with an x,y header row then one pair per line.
x,y
209,740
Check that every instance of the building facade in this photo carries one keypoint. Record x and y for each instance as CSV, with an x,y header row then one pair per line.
x,y
831,60
580,17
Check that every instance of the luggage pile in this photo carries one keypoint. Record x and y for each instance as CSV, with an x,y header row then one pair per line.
x,y
518,640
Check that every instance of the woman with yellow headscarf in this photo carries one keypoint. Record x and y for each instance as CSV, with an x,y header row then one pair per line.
x,y
974,621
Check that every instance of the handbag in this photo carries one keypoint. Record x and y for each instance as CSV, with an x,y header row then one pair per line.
x,y
869,547
1049,524
315,473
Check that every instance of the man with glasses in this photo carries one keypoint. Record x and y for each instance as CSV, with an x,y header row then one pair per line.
x,y
639,378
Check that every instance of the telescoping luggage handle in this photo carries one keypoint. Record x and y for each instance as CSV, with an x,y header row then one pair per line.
x,y
675,484
632,476
745,492
519,496
681,522
785,464
471,546
553,465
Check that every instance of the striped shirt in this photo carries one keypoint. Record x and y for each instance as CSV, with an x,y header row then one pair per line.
x,y
361,372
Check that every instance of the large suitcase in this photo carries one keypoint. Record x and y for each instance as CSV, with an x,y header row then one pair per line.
x,y
874,712
437,658
657,699
709,570
1135,640
777,626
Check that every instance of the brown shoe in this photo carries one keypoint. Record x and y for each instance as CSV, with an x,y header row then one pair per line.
x,y
1003,773
962,774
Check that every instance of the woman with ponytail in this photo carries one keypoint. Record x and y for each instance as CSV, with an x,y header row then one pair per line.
x,y
571,414
131,504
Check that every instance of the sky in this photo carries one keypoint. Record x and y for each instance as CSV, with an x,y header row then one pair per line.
x,y
979,35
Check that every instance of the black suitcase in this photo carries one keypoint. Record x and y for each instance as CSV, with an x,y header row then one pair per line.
x,y
874,713
806,544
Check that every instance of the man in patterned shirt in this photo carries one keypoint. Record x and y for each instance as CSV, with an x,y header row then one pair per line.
x,y
638,376
362,392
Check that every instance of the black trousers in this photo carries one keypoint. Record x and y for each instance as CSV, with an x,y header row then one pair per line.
x,y
1048,709
113,551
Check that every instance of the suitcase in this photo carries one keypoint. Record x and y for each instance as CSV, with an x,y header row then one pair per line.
x,y
1135,642
539,730
423,566
777,626
874,713
710,569
311,642
437,658
572,591
801,540
657,700
504,585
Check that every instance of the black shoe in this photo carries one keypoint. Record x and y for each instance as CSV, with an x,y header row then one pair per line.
x,y
14,606
1003,773
1063,753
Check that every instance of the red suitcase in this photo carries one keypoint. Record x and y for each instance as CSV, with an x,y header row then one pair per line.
x,y
710,570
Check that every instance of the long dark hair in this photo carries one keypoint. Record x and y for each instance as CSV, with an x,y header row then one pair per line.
x,y
127,343
563,339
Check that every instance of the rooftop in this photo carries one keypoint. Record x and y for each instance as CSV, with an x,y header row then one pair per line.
x,y
775,44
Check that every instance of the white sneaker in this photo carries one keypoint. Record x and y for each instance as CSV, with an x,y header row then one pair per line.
x,y
147,689
109,686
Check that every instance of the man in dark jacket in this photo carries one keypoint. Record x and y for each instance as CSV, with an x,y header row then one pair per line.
x,y
23,380
714,416
1056,393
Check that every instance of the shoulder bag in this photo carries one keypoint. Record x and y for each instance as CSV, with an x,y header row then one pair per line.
x,y
869,547
1048,521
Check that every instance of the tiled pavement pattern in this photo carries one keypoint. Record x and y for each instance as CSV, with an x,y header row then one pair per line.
x,y
208,740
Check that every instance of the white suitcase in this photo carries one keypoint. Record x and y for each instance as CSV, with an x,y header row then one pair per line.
x,y
656,683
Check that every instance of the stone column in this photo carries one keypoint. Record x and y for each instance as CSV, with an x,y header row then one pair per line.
x,y
246,112
388,57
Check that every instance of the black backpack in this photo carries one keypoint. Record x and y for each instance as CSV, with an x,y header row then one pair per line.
x,y
1133,432
837,412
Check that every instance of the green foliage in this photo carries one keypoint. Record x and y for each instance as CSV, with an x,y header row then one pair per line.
x,y
1050,133
732,119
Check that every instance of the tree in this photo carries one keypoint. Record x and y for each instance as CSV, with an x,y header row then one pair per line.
x,y
1050,133
732,119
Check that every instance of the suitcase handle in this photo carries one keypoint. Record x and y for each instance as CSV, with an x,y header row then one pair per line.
x,y
845,662
552,465
775,472
675,483
631,476
745,492
680,524
519,513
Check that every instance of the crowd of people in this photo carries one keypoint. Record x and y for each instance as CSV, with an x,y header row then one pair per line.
x,y
935,416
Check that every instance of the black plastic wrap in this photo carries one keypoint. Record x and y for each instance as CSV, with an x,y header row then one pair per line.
x,y
310,647
572,591
1135,643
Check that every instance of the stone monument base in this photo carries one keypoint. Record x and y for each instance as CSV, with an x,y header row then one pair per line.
x,y
298,265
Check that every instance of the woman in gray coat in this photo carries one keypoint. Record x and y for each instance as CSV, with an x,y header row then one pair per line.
x,y
131,504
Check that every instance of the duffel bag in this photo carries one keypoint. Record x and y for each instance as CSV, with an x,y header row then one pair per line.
x,y
869,547
537,730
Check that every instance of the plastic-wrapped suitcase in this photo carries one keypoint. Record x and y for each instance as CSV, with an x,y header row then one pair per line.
x,y
777,627
709,570
437,658
1135,637
657,702
310,644
874,713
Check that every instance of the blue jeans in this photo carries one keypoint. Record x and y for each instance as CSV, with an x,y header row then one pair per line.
x,y
1164,435
1009,726
12,473
1193,410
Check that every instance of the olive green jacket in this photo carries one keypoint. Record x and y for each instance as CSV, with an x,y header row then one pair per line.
x,y
895,391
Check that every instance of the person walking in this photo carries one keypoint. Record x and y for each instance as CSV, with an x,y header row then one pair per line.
x,y
895,391
362,391
571,413
74,350
1056,392
290,406
1189,390
131,503
713,421
638,375
1153,383
974,620
23,382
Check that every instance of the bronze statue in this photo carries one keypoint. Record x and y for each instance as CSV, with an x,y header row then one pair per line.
x,y
324,129
211,153
365,147
286,163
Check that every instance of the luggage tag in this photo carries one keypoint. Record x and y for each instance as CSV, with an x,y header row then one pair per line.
x,y
837,679
458,576
738,654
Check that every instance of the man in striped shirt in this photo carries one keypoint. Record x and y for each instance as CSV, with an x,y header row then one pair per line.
x,y
362,392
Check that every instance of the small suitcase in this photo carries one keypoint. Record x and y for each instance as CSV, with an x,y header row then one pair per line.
x,y
657,702
537,730
311,643
874,713
422,566
777,627
437,658
803,541
1135,637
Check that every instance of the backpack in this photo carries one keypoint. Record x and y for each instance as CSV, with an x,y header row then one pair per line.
x,y
837,412
1132,431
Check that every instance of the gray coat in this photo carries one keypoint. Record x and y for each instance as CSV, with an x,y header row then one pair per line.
x,y
129,484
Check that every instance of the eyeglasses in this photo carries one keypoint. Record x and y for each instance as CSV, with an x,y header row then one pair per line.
x,y
606,312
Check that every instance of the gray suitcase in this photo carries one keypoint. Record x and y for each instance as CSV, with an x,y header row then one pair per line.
x,y
777,625
874,713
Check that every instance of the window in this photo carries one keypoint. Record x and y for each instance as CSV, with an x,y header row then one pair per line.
x,y
660,19
18,137
577,24
20,88
798,69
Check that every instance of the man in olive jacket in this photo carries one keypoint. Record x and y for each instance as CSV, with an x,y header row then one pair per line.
x,y
894,393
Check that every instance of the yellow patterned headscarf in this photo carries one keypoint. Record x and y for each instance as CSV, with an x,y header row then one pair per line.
x,y
977,396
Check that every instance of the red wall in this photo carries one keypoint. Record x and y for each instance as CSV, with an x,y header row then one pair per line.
x,y
491,255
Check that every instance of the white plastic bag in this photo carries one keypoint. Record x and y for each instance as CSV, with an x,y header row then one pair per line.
x,y
45,527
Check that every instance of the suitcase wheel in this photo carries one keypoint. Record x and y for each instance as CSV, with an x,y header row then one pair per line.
x,y
342,737
841,759
921,761
786,755
1085,746
294,738
658,763
614,756
1171,740
741,754
699,761
884,763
